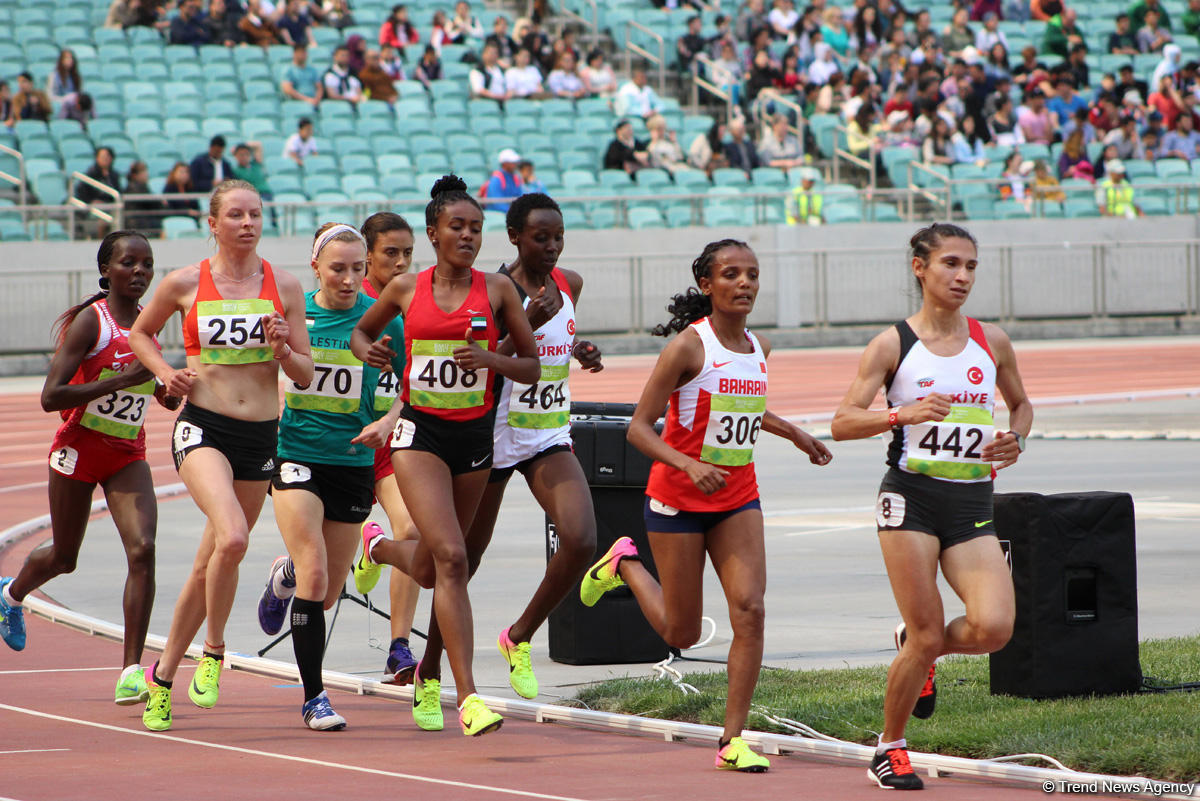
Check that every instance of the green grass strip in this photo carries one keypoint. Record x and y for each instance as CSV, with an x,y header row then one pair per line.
x,y
1147,734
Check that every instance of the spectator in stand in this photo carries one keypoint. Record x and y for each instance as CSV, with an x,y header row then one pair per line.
x,y
751,17
301,81
782,20
790,72
29,103
522,78
566,44
1122,41
63,85
598,75
1036,121
102,172
968,143
1183,142
301,144
504,43
487,79
824,65
727,74
1023,73
1152,37
739,150
1066,101
899,130
937,149
179,182
1191,18
981,8
1045,185
1062,33
1151,144
834,32
538,43
1077,66
688,46
636,98
707,151
505,181
867,30
464,27
256,28
1125,140
1044,10
188,28
1074,153
396,30
222,23
624,151
958,34
429,68
439,31
1167,101
1138,11
564,80
1016,180
530,184
779,147
377,84
922,26
337,14
723,35
865,137
663,147
1104,114
990,34
6,105
1168,67
1114,195
764,74
1126,80
806,201
339,81
929,53
1079,122
391,63
210,167
248,167
295,24
357,46
142,215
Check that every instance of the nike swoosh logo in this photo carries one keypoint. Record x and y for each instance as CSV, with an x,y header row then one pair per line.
x,y
481,461
728,761
981,525
119,355
416,702
595,572
719,365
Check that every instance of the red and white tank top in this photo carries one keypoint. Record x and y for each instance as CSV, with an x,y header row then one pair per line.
x,y
388,389
533,417
949,450
715,418
433,381
230,331
119,415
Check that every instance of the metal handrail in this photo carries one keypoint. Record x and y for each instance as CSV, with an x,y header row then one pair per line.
x,y
867,164
18,180
914,190
593,35
631,48
699,83
94,209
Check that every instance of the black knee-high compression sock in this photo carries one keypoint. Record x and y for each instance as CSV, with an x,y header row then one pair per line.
x,y
308,642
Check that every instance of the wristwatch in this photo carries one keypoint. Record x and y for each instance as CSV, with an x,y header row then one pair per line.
x,y
1020,440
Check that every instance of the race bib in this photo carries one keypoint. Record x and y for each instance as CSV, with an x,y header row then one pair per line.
x,y
64,459
336,385
952,448
546,404
436,381
231,331
387,391
733,425
121,413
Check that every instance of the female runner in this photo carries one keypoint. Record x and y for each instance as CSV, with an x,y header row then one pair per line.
x,y
702,497
442,445
533,434
102,392
323,484
940,370
389,254
241,322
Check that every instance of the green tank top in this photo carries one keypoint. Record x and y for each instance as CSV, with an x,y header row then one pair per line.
x,y
319,420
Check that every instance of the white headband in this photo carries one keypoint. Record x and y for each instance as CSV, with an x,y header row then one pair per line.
x,y
329,233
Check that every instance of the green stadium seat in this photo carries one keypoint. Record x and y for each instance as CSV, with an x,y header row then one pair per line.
x,y
1169,167
723,215
1010,210
388,143
1155,206
729,176
603,217
614,178
224,126
884,212
769,177
577,179
321,182
836,213
652,178
641,217
494,221
1136,168
358,164
286,182
388,163
180,227
399,184
320,164
352,185
50,187
693,180
13,231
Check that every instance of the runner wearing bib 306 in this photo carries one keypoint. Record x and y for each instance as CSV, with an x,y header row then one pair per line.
x,y
940,370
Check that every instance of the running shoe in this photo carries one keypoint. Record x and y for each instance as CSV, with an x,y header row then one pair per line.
x,y
206,682
736,755
400,663
891,770
366,572
157,716
319,715
12,621
272,610
476,718
520,671
427,703
603,576
132,689
926,701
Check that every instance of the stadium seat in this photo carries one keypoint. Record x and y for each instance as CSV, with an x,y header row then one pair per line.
x,y
178,227
1010,210
645,217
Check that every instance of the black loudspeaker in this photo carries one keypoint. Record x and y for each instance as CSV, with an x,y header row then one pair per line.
x,y
614,631
1075,574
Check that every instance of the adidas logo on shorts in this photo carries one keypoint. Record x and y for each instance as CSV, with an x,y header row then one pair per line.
x,y
269,466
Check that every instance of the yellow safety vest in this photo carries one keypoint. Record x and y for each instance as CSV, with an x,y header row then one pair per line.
x,y
805,204
1119,197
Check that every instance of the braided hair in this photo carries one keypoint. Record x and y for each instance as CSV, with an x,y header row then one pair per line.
x,y
103,256
446,190
692,305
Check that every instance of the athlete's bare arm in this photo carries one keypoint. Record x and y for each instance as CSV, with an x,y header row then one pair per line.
x,y
1004,449
287,334
506,305
58,393
167,300
393,300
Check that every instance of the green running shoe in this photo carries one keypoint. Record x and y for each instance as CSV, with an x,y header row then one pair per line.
x,y
603,576
476,718
520,671
366,572
427,703
132,689
736,755
157,716
205,684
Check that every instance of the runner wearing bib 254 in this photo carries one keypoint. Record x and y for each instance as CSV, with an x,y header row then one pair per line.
x,y
941,371
442,444
702,497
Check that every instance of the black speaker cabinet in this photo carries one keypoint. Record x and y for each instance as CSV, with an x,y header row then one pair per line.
x,y
614,631
1075,575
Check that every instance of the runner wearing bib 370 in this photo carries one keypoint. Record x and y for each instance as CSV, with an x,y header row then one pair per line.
x,y
702,497
442,444
103,394
941,371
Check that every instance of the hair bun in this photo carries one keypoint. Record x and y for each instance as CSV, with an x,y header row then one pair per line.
x,y
448,183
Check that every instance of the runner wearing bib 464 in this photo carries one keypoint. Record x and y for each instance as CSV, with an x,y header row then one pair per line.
x,y
941,371
442,444
103,395
702,498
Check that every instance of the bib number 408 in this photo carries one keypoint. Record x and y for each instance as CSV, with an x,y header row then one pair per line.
x,y
447,373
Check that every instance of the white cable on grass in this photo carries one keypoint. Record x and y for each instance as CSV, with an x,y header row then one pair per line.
x,y
663,670
1042,757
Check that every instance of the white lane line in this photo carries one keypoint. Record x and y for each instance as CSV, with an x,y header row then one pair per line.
x,y
34,751
53,670
286,757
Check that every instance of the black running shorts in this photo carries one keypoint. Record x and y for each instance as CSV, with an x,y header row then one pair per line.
x,y
464,445
347,492
953,512
248,445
